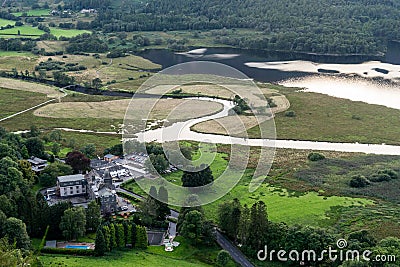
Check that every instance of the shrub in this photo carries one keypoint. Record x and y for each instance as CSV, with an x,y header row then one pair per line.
x,y
393,174
223,258
380,177
69,251
290,114
358,181
315,156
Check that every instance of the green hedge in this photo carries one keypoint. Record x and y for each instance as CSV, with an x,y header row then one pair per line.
x,y
69,251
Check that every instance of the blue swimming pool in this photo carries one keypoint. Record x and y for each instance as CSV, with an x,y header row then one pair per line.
x,y
77,247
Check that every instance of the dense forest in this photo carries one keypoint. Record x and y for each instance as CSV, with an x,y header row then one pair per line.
x,y
323,26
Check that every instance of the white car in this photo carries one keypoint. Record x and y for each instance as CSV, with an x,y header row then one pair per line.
x,y
124,208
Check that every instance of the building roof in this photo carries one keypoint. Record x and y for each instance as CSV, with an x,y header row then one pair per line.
x,y
37,161
70,178
109,156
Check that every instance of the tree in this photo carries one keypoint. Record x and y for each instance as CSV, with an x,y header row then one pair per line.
x,y
33,132
55,149
163,209
78,161
97,83
10,255
93,216
35,147
107,237
48,176
89,150
115,150
229,214
141,237
197,177
113,237
100,243
26,168
15,230
192,226
156,164
73,223
258,225
133,234
24,152
223,258
121,235
55,213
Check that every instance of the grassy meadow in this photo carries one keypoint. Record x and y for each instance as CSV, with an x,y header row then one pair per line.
x,y
33,13
23,30
12,101
66,33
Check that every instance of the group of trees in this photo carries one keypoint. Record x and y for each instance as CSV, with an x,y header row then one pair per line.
x,y
193,225
360,27
385,175
119,235
154,210
16,44
197,176
89,43
251,228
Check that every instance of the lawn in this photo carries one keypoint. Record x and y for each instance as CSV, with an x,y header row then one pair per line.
x,y
66,33
24,30
12,101
34,13
120,259
184,255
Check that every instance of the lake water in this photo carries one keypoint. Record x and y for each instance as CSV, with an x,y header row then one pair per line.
x,y
357,78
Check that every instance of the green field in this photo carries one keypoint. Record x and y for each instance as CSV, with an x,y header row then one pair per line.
x,y
33,13
287,206
16,54
24,30
5,22
66,33
12,101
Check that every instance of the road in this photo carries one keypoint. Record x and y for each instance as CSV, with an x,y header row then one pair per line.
x,y
130,193
235,253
